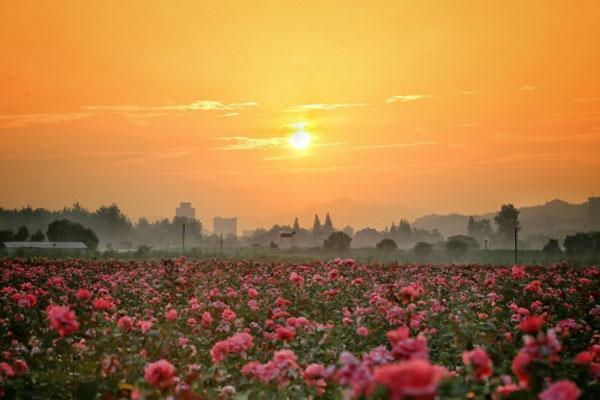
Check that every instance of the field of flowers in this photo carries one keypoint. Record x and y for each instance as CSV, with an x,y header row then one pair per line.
x,y
243,330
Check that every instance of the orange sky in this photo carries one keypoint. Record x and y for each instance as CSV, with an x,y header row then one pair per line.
x,y
438,106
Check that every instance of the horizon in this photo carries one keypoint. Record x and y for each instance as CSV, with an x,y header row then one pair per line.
x,y
306,215
254,110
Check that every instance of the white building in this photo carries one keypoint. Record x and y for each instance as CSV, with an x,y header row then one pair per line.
x,y
225,226
185,210
46,245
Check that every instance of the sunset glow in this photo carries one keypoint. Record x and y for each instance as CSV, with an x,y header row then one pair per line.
x,y
126,101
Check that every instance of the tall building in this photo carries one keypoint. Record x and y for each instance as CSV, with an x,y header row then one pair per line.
x,y
185,210
225,226
594,213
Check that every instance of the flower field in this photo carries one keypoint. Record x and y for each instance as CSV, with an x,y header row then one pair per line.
x,y
243,330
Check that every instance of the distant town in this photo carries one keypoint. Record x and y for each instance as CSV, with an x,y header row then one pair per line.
x,y
110,229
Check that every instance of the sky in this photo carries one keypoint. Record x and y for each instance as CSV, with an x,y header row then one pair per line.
x,y
438,106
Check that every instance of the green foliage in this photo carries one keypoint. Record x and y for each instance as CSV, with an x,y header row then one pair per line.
x,y
552,247
387,245
337,241
583,243
456,248
472,244
479,229
6,235
66,231
423,249
22,234
38,236
143,250
507,220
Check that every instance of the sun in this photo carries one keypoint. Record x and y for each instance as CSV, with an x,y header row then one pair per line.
x,y
300,140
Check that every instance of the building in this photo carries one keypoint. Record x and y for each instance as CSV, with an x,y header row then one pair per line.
x,y
70,246
225,226
594,213
185,210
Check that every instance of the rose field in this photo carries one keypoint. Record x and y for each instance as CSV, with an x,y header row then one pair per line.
x,y
242,329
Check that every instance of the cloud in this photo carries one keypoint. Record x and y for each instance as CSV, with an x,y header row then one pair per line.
x,y
127,110
252,143
405,98
325,106
585,99
200,105
393,145
574,113
17,120
528,88
271,142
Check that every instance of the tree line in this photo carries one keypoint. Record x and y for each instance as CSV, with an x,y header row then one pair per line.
x,y
108,223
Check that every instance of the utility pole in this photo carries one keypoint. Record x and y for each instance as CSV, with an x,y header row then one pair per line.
x,y
516,241
221,243
183,239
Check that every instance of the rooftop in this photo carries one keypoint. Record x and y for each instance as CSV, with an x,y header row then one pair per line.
x,y
46,245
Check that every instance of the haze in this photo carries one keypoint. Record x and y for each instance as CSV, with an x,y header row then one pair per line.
x,y
412,103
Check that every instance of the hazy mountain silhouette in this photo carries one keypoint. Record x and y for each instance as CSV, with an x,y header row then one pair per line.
x,y
555,218
345,211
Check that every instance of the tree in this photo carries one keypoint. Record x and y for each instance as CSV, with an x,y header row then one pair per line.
x,y
328,225
457,248
552,247
337,241
110,221
387,245
143,250
366,237
64,230
296,225
404,231
348,230
506,221
479,229
472,244
316,224
423,249
582,243
6,235
38,236
22,234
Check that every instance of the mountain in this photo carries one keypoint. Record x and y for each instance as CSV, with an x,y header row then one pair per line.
x,y
448,225
556,218
344,212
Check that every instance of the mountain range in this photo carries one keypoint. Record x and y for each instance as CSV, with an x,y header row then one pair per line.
x,y
554,218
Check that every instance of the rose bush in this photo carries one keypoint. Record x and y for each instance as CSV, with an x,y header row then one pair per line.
x,y
246,329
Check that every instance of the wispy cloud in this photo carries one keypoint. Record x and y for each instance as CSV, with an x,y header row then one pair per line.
x,y
574,113
585,99
405,98
18,120
199,105
252,143
126,110
393,145
270,142
528,88
325,106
